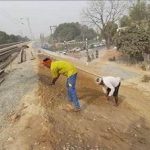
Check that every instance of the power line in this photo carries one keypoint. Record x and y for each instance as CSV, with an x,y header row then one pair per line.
x,y
11,19
8,16
30,30
29,27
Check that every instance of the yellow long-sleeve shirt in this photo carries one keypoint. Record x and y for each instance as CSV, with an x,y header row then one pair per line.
x,y
62,67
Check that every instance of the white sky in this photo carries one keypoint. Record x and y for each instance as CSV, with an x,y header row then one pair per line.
x,y
42,14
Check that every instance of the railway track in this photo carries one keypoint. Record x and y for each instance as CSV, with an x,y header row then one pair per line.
x,y
8,53
7,45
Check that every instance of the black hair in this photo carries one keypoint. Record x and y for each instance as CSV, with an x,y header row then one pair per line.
x,y
46,59
97,79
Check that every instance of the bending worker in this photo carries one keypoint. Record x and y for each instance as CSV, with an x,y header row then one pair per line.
x,y
110,86
67,69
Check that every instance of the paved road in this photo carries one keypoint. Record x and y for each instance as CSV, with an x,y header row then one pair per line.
x,y
114,70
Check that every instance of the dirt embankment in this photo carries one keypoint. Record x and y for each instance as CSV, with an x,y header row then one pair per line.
x,y
99,125
43,124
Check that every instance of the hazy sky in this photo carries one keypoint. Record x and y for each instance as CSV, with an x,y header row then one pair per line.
x,y
41,14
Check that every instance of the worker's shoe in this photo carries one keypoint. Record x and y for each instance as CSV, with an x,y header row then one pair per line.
x,y
115,104
68,108
77,109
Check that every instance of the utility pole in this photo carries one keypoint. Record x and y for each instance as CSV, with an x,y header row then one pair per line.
x,y
28,21
97,53
52,28
42,39
29,26
22,24
87,51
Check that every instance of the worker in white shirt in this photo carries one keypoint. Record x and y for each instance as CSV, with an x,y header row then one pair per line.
x,y
110,86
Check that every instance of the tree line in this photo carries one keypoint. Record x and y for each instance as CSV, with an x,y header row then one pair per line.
x,y
5,38
134,39
73,31
129,33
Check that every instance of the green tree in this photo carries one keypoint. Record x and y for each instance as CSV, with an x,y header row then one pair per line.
x,y
133,41
86,32
125,21
139,12
5,38
109,31
67,31
73,31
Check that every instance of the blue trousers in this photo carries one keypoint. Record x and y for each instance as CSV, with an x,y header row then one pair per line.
x,y
71,82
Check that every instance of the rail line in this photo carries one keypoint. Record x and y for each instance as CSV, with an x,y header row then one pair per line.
x,y
10,44
7,54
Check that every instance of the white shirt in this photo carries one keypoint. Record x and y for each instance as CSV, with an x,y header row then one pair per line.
x,y
111,82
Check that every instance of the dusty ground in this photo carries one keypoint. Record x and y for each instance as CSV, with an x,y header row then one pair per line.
x,y
100,125
19,80
41,123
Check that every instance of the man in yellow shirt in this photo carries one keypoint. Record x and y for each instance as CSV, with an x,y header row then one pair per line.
x,y
67,69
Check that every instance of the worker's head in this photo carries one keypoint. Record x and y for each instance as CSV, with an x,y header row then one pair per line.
x,y
47,62
99,80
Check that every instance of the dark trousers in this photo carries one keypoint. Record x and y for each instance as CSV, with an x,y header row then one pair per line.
x,y
115,94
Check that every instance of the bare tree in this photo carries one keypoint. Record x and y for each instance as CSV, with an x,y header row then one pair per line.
x,y
101,13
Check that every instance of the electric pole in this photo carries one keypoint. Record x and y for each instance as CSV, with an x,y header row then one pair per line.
x,y
42,39
52,28
28,21
29,26
87,51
